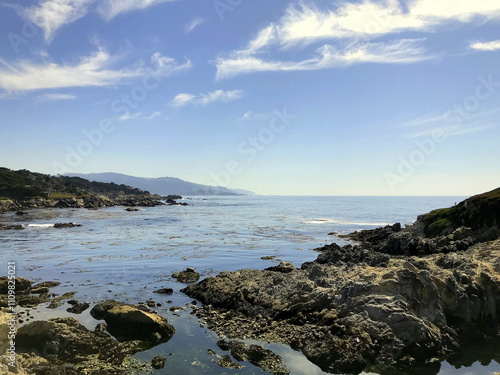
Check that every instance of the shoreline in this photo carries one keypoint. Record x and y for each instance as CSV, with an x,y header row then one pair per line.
x,y
301,304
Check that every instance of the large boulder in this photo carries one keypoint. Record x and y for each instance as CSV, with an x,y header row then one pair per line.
x,y
127,322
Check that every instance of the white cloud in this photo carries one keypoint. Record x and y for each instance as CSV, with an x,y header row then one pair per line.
x,y
205,99
153,115
494,45
473,123
450,131
139,115
250,115
327,56
247,115
128,116
111,8
369,19
166,66
353,25
54,97
182,99
93,70
51,15
195,22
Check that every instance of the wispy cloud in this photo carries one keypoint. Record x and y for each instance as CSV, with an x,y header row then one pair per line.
x,y
139,115
395,52
54,97
205,99
166,65
250,115
450,131
494,45
93,70
195,22
51,15
111,8
425,126
182,99
349,28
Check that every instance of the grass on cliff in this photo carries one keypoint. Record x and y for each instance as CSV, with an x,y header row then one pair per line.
x,y
477,211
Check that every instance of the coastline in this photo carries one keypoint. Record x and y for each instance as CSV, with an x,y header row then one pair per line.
x,y
332,256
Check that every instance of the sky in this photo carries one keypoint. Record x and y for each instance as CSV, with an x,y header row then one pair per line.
x,y
373,97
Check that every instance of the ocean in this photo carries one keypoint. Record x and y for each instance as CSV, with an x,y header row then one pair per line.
x,y
125,256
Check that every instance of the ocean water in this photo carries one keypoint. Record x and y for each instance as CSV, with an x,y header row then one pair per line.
x,y
127,255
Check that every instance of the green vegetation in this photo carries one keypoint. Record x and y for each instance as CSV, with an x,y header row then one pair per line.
x,y
479,211
24,184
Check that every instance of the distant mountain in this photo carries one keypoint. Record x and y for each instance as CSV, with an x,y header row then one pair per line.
x,y
162,185
243,192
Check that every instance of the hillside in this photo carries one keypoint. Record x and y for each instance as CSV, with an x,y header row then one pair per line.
x,y
23,184
162,185
481,211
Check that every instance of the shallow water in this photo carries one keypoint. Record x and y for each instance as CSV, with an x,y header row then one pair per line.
x,y
127,255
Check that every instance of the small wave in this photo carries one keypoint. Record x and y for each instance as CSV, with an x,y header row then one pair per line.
x,y
343,222
40,225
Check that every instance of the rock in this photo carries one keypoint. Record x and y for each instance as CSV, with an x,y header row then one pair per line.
x,y
4,330
65,344
47,284
130,209
66,225
22,285
21,213
40,290
354,307
283,267
256,355
77,307
11,227
187,276
164,291
268,257
158,362
127,322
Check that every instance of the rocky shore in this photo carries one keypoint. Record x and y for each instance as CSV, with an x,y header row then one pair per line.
x,y
64,346
399,301
89,202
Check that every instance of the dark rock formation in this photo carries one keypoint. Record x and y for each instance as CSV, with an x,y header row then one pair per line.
x,y
66,225
64,346
164,291
77,307
187,276
400,298
256,355
158,362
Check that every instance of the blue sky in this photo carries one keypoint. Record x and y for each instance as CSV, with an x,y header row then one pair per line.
x,y
294,98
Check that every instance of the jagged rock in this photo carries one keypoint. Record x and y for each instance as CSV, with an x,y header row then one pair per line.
x,y
63,345
283,267
256,355
349,311
158,362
